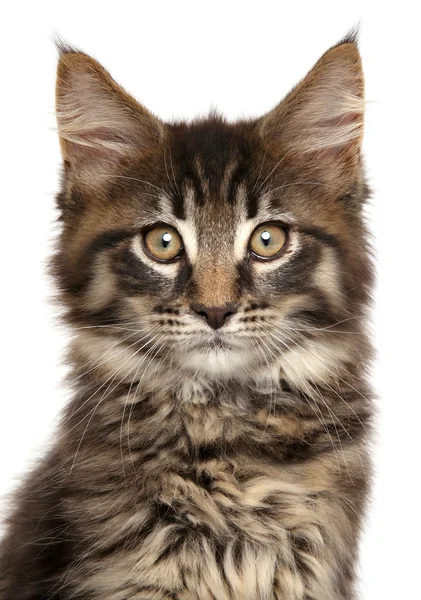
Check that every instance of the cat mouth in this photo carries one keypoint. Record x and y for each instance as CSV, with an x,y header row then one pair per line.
x,y
219,345
216,343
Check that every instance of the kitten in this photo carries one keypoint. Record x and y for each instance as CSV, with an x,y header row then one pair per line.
x,y
216,277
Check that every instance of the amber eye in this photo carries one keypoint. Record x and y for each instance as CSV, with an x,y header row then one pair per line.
x,y
163,243
267,240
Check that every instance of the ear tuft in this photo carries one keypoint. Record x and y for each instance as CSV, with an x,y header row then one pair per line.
x,y
97,120
62,46
351,37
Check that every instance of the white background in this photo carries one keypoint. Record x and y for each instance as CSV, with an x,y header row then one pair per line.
x,y
180,58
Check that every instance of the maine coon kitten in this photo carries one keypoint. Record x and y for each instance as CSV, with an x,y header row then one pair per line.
x,y
216,277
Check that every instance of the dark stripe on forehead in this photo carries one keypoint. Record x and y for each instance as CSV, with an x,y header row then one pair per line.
x,y
177,202
252,204
192,180
241,176
175,185
204,150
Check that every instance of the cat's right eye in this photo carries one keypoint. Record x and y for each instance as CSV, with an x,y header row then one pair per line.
x,y
163,243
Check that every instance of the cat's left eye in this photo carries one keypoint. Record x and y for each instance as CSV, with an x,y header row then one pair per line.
x,y
163,243
267,240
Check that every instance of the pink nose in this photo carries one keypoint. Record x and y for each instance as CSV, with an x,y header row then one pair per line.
x,y
215,316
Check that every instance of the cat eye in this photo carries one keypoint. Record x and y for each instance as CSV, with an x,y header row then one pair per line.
x,y
163,243
267,240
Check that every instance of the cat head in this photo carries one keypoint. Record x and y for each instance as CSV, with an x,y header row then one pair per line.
x,y
214,248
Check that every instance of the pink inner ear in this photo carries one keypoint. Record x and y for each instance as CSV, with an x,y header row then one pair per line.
x,y
339,123
98,120
103,138
99,144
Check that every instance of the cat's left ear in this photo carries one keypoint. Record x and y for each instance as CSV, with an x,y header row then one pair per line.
x,y
320,123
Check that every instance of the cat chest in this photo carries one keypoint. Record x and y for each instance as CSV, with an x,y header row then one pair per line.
x,y
216,538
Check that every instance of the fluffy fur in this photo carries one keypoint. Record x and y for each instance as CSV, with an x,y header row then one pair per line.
x,y
194,463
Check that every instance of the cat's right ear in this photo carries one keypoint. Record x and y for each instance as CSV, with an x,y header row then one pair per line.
x,y
100,125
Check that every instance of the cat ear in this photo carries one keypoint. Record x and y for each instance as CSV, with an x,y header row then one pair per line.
x,y
321,120
99,124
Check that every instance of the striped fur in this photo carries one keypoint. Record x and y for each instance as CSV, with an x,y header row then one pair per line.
x,y
196,463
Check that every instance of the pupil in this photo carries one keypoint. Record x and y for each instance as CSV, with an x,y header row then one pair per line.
x,y
265,238
166,239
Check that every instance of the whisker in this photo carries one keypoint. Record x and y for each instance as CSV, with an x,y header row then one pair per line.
x,y
144,181
315,408
118,342
274,169
110,377
260,172
335,392
107,326
104,395
138,387
324,401
281,187
124,410
166,171
272,404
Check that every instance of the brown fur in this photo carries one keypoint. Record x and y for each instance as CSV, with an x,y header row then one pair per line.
x,y
193,463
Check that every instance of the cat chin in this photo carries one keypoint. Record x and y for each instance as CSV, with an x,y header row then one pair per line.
x,y
218,362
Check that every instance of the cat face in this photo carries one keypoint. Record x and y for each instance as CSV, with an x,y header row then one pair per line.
x,y
214,247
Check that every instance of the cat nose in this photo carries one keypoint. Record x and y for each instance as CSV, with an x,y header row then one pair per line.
x,y
215,316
